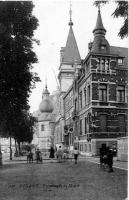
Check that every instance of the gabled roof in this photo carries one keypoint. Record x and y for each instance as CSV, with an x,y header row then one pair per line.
x,y
71,52
121,52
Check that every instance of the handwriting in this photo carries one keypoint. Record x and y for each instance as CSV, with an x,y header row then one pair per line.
x,y
26,186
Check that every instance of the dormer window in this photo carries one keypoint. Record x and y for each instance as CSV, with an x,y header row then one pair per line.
x,y
120,61
102,47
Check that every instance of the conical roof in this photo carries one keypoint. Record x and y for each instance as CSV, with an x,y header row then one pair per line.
x,y
100,44
99,24
71,52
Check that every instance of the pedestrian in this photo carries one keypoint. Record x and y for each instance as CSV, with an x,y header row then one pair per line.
x,y
52,152
110,160
30,156
38,156
76,153
59,154
103,154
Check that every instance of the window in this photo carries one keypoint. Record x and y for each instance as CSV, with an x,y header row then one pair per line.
x,y
85,147
120,61
81,127
107,65
103,124
42,127
103,92
75,105
98,63
80,99
89,147
70,137
85,95
121,121
102,64
88,94
121,94
102,47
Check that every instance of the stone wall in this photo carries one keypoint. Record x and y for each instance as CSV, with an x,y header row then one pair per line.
x,y
122,145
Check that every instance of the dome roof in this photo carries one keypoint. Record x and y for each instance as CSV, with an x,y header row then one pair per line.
x,y
46,105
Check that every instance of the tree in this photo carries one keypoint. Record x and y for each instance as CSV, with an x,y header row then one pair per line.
x,y
25,129
17,25
120,11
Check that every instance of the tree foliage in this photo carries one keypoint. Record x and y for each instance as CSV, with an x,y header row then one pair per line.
x,y
17,25
25,129
120,11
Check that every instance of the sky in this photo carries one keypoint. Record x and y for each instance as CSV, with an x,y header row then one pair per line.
x,y
52,33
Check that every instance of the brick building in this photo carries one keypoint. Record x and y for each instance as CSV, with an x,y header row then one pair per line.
x,y
101,114
94,100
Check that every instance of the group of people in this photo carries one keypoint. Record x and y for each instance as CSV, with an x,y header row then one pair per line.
x,y
59,153
38,156
106,158
62,155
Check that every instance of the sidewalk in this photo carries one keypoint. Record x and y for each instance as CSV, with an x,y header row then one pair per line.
x,y
116,163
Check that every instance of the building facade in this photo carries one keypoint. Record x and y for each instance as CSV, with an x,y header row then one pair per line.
x,y
70,62
94,103
44,129
102,94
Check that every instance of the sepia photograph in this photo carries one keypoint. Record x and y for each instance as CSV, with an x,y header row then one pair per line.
x,y
64,100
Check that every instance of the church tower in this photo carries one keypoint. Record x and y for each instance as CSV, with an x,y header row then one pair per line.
x,y
69,60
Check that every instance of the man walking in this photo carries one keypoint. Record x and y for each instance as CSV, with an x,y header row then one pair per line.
x,y
110,160
76,153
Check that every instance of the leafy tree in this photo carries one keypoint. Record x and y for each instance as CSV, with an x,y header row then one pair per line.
x,y
17,25
120,11
25,129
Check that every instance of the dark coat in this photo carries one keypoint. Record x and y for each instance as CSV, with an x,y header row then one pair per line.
x,y
52,152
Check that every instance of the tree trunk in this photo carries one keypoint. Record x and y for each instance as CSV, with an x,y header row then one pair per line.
x,y
19,148
16,150
10,148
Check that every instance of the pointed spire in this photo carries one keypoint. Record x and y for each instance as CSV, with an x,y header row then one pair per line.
x,y
45,92
71,52
99,28
100,44
70,12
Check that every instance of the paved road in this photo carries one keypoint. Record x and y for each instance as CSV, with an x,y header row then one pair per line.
x,y
116,164
61,181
